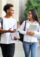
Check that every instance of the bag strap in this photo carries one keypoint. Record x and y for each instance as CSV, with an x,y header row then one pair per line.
x,y
1,20
25,25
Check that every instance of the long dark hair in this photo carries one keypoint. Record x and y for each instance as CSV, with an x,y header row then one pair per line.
x,y
34,14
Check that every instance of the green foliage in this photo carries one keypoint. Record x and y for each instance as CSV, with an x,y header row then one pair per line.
x,y
31,4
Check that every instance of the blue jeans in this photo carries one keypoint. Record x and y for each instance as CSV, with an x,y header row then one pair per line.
x,y
30,47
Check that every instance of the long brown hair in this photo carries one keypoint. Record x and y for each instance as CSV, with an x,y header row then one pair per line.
x,y
34,14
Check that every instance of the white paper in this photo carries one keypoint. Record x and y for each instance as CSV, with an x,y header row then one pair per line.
x,y
32,27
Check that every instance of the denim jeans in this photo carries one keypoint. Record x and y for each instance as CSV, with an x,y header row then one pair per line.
x,y
30,47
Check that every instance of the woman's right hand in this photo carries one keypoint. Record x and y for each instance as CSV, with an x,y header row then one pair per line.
x,y
30,33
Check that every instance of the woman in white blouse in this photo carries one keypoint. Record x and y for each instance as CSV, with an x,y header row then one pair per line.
x,y
30,42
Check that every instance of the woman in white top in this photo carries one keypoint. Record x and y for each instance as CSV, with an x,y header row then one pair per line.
x,y
30,34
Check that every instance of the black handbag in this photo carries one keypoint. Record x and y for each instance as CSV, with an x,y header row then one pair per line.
x,y
21,35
